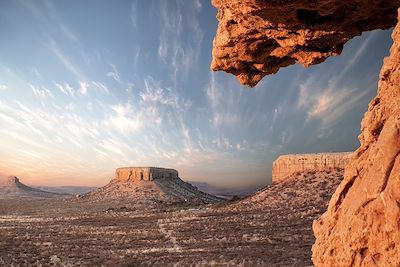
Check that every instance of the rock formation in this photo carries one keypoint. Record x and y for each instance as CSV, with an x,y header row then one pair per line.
x,y
286,165
256,37
144,173
149,186
11,187
361,226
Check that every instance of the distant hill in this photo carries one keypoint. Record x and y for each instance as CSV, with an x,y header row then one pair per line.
x,y
11,187
225,192
73,190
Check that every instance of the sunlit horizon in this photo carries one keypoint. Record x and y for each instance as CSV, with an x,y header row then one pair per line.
x,y
87,87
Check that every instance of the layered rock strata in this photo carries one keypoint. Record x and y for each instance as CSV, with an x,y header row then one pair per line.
x,y
286,165
256,37
144,173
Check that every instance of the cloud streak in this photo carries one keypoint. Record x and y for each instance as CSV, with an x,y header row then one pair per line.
x,y
114,74
64,59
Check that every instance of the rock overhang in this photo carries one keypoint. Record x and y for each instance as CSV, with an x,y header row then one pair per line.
x,y
256,38
360,227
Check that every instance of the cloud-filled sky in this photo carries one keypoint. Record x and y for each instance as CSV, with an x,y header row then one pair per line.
x,y
89,86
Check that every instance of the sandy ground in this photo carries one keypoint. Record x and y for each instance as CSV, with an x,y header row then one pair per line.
x,y
272,228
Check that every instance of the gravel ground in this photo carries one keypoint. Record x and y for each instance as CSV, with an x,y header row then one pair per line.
x,y
271,228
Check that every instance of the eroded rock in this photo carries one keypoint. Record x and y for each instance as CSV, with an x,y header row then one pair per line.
x,y
255,37
144,173
361,225
286,165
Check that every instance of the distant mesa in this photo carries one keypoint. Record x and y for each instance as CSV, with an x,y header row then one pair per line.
x,y
11,187
286,165
132,174
147,186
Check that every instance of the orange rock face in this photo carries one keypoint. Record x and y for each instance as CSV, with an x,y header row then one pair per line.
x,y
286,165
257,37
132,174
362,224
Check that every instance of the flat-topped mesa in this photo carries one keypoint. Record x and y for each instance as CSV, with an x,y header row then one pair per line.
x,y
149,186
286,165
133,174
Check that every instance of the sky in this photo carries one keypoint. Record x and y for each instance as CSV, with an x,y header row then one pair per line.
x,y
90,86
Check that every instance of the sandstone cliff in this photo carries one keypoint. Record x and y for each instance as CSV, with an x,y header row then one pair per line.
x,y
361,226
255,37
286,165
144,173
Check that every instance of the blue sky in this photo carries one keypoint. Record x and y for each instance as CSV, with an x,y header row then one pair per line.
x,y
89,86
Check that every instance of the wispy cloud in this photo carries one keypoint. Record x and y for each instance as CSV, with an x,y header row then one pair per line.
x,y
329,104
178,51
114,74
134,14
42,94
83,87
65,89
51,18
125,119
36,73
224,103
3,87
136,56
53,46
101,86
360,52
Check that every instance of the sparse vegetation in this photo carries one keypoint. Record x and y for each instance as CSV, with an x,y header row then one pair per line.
x,y
271,228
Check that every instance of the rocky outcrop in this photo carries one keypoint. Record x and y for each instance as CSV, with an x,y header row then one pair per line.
x,y
286,165
149,186
11,187
9,182
144,173
361,225
256,37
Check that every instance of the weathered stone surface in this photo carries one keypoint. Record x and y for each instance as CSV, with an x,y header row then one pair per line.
x,y
257,37
144,173
286,165
361,225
